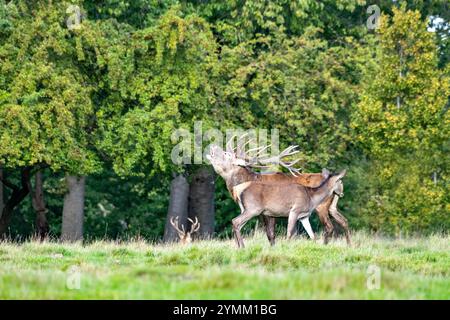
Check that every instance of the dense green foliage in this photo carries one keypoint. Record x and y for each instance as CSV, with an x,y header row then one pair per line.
x,y
45,90
103,100
298,269
402,123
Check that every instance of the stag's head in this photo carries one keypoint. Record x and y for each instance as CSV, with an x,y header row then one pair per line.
x,y
227,163
185,237
340,189
335,183
338,186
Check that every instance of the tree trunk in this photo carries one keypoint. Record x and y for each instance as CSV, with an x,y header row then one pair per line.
x,y
201,201
178,207
38,202
73,210
17,195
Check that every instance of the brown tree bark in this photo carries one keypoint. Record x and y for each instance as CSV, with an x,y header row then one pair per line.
x,y
178,207
201,201
37,199
17,195
73,210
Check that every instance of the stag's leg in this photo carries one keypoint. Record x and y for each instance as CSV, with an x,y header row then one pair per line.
x,y
324,217
292,224
340,219
239,222
307,226
269,223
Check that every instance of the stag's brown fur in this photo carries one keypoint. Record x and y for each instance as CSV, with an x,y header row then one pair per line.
x,y
235,169
326,209
280,200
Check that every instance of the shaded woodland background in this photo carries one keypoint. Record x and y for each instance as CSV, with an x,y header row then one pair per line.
x,y
87,114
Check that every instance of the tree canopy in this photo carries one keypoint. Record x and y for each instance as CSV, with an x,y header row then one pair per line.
x,y
98,89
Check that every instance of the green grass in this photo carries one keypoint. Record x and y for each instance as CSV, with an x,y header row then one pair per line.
x,y
416,268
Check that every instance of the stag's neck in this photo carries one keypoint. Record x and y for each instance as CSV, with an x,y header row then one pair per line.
x,y
242,175
320,193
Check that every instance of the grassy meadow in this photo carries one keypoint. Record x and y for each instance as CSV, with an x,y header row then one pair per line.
x,y
410,268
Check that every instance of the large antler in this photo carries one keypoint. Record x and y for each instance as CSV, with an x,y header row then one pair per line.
x,y
239,149
195,225
258,158
229,144
278,160
174,223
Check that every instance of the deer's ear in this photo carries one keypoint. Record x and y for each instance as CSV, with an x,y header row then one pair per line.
x,y
342,174
325,173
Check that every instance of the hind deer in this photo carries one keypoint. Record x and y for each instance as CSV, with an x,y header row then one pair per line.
x,y
235,168
281,200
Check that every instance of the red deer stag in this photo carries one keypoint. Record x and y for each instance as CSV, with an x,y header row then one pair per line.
x,y
185,237
325,210
235,170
